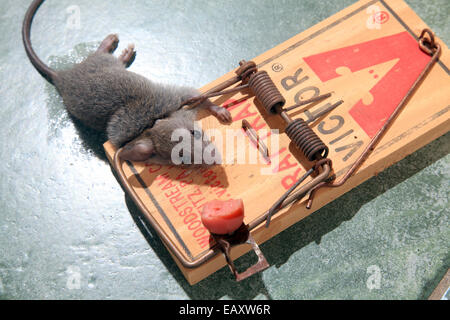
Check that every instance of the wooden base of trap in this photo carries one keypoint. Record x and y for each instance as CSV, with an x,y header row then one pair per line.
x,y
368,56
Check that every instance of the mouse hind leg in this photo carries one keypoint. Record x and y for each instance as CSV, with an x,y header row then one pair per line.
x,y
109,44
128,55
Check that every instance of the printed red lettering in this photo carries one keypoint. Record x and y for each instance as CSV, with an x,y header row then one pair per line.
x,y
389,90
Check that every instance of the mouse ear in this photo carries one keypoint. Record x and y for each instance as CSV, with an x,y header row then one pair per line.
x,y
137,151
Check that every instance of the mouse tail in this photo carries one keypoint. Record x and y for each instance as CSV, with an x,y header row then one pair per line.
x,y
40,66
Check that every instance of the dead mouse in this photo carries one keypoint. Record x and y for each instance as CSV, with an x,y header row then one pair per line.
x,y
136,113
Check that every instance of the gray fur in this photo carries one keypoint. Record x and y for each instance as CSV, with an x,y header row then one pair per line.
x,y
102,94
105,96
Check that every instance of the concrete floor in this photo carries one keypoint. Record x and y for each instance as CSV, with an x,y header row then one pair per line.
x,y
68,232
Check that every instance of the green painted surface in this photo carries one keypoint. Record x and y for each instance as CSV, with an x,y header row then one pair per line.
x,y
67,231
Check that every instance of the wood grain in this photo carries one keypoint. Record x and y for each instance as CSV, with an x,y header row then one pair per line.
x,y
174,196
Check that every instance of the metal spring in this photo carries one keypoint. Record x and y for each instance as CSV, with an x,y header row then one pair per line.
x,y
265,91
306,140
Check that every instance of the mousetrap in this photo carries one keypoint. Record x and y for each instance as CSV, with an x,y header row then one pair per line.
x,y
350,96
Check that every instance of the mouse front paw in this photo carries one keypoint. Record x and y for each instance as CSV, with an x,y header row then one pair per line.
x,y
128,55
222,114
109,44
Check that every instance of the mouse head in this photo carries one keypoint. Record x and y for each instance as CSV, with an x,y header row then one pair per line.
x,y
173,140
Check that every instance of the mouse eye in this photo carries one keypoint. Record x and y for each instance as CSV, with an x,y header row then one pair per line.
x,y
197,134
